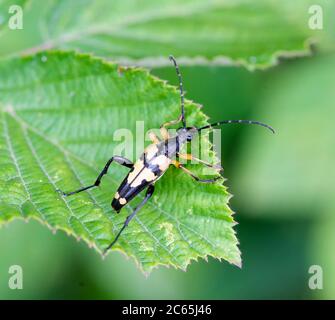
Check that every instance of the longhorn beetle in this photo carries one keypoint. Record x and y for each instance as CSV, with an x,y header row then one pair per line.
x,y
155,161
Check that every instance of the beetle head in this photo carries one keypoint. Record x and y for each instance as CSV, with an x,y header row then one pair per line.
x,y
186,134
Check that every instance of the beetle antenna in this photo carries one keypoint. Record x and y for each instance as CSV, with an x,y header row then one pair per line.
x,y
237,121
180,89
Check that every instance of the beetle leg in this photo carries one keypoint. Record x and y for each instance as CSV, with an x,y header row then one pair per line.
x,y
153,137
148,195
176,163
164,132
172,122
180,166
120,160
190,157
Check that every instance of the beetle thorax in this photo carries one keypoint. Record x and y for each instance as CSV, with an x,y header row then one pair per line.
x,y
186,134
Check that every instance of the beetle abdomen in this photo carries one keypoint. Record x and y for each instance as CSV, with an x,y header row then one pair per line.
x,y
145,172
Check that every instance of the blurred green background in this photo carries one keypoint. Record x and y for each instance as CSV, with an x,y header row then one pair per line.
x,y
283,187
284,227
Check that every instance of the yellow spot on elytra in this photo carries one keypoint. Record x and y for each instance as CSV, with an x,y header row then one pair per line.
x,y
146,174
138,166
117,196
162,161
123,201
151,151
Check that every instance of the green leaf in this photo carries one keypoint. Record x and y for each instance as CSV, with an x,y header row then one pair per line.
x,y
251,33
59,112
292,171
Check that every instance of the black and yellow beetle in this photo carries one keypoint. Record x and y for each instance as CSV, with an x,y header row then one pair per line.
x,y
155,161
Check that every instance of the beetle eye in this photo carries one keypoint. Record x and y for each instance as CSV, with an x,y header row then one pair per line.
x,y
189,138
